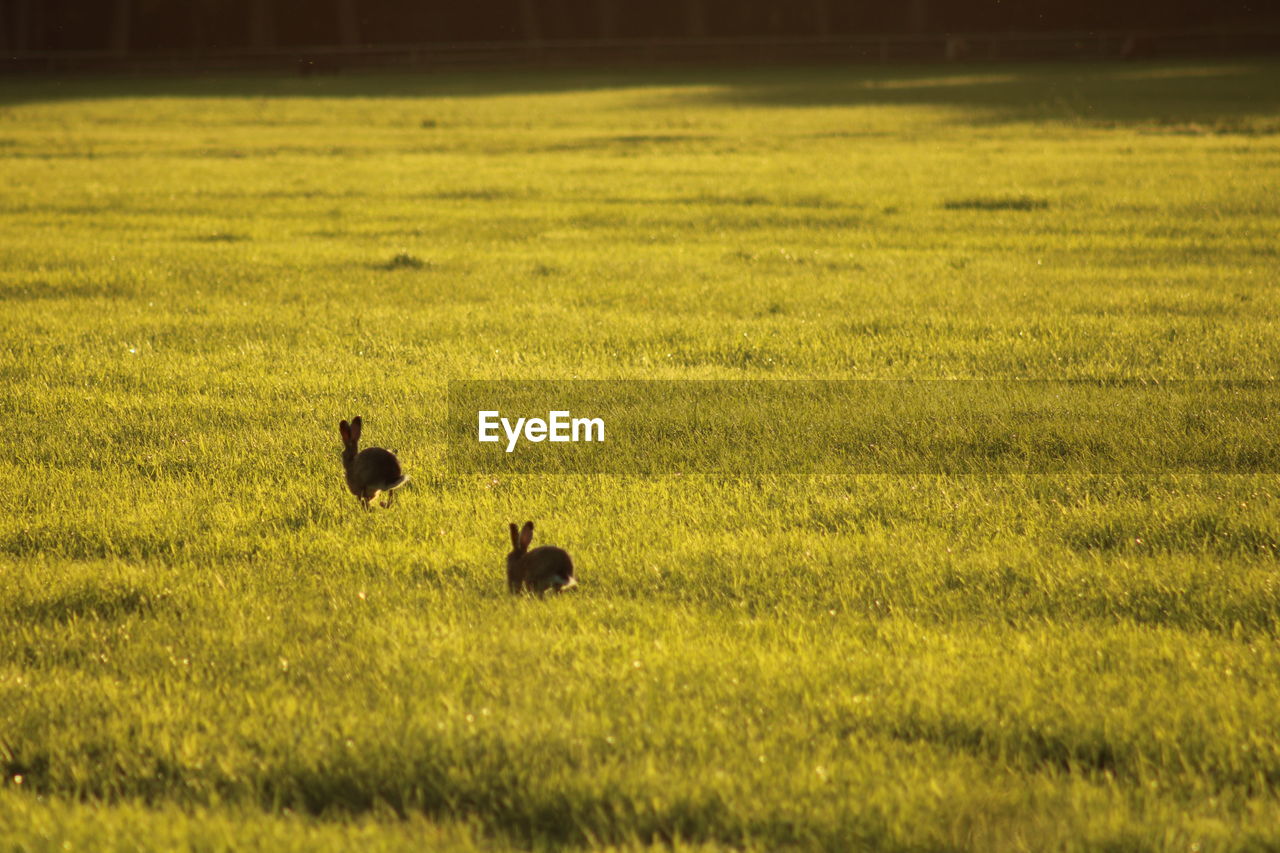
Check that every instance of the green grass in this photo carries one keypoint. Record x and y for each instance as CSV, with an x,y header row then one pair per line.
x,y
204,643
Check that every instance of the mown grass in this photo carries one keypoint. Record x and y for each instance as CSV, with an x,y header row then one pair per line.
x,y
206,644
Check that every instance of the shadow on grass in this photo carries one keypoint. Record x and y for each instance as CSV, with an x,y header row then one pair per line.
x,y
509,805
1194,97
108,601
997,203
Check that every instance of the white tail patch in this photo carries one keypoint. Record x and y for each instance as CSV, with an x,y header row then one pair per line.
x,y
562,584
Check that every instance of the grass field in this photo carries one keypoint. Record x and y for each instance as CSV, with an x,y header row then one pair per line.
x,y
205,643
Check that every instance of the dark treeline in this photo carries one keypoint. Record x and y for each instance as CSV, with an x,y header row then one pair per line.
x,y
196,25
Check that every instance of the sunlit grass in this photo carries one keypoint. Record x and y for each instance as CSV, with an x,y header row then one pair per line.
x,y
206,643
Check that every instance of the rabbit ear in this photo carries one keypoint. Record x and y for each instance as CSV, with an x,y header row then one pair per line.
x,y
526,534
515,537
356,426
344,430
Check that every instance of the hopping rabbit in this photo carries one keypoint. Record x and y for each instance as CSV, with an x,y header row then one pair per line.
x,y
544,568
370,471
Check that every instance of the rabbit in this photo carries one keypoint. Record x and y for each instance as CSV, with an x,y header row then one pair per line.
x,y
544,568
369,471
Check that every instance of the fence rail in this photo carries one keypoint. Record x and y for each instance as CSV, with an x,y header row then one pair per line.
x,y
872,48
